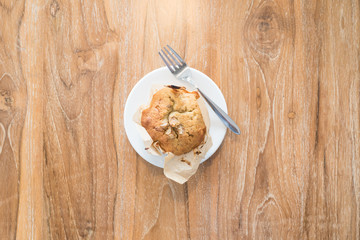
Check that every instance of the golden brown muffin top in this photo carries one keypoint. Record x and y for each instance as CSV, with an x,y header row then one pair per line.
x,y
174,120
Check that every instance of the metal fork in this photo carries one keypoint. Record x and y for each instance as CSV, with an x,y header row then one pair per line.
x,y
181,71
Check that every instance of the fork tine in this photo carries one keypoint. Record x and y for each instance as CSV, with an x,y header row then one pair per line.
x,y
169,60
171,55
177,55
167,64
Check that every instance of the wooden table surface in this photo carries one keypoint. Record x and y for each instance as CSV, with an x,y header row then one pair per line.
x,y
289,71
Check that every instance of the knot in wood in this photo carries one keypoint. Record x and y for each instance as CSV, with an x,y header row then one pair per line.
x,y
291,115
6,100
54,8
264,30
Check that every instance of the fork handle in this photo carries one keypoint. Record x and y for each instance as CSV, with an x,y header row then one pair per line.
x,y
229,123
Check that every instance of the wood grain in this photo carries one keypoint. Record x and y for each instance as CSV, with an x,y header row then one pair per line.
x,y
290,73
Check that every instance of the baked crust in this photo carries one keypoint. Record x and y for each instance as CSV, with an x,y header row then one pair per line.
x,y
174,120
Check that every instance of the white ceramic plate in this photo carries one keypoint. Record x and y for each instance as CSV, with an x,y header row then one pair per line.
x,y
140,95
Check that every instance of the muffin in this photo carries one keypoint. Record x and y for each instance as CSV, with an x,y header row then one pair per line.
x,y
174,120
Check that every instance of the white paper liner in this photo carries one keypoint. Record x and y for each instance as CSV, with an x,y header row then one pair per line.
x,y
178,168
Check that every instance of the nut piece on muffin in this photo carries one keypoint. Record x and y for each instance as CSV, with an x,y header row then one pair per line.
x,y
174,120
